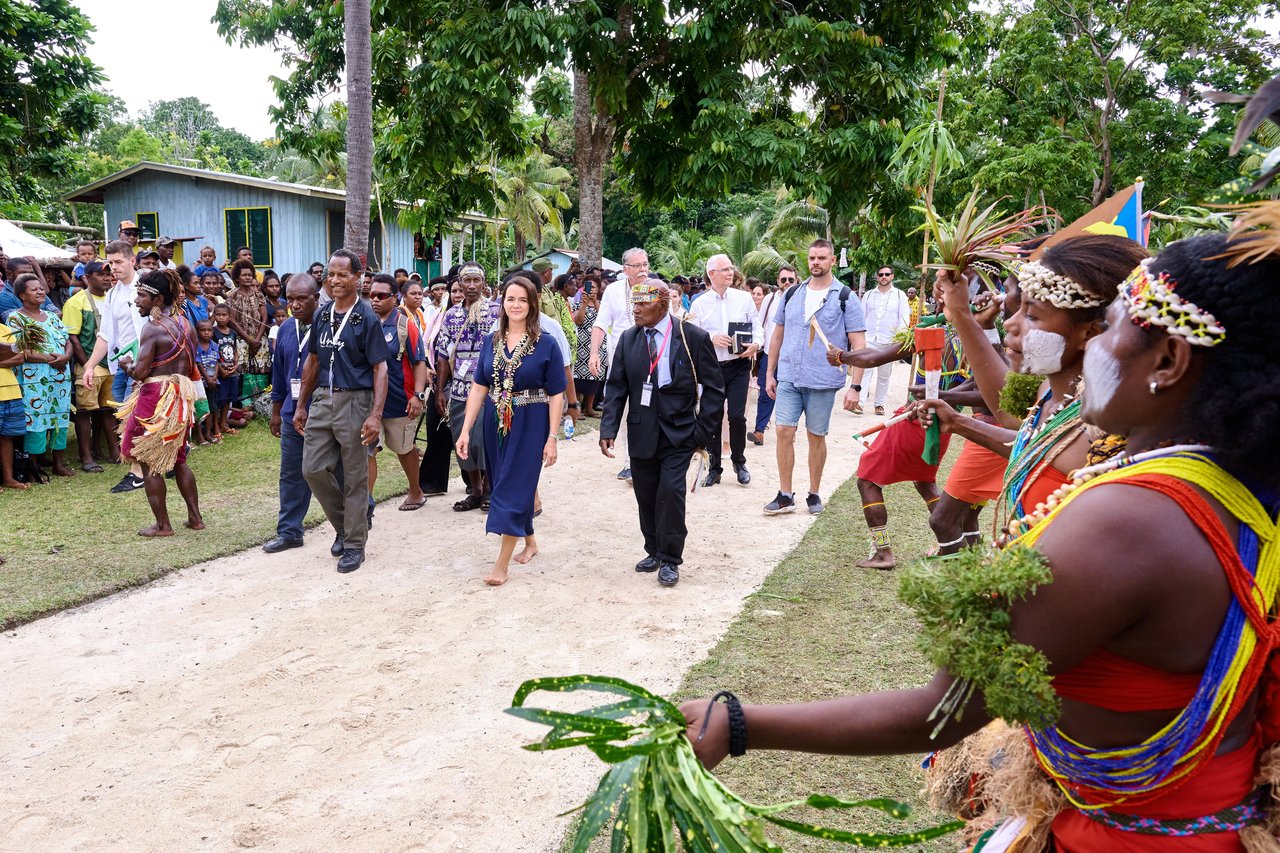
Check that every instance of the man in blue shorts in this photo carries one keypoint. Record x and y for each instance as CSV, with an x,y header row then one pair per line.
x,y
799,377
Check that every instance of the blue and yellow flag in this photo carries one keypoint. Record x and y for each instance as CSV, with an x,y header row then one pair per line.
x,y
1120,215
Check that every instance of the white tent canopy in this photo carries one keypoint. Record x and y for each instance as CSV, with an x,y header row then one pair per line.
x,y
19,244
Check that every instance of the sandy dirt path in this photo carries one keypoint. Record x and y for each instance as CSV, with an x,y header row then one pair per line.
x,y
266,701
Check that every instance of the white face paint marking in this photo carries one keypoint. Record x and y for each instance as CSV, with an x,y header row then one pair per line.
x,y
1101,378
1042,352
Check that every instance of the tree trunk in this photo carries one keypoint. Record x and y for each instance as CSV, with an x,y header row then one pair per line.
x,y
359,125
592,144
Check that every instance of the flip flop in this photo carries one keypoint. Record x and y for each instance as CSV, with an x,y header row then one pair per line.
x,y
410,506
484,504
91,468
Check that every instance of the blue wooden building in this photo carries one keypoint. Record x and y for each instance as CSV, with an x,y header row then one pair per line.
x,y
287,226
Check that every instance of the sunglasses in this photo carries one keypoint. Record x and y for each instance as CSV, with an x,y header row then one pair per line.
x,y
379,295
884,275
787,280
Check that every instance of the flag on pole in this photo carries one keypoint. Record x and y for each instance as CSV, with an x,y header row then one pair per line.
x,y
1120,215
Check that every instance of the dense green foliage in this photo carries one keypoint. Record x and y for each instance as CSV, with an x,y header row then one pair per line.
x,y
49,98
963,603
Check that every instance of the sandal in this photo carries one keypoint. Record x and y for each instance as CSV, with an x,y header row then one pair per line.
x,y
91,468
467,504
410,506
484,504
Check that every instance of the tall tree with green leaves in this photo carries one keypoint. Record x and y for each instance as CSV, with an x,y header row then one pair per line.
x,y
49,99
687,101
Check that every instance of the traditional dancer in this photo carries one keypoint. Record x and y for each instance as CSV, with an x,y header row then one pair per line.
x,y
1170,722
160,411
895,455
1061,302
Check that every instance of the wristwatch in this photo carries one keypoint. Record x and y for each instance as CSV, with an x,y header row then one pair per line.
x,y
421,396
573,405
855,386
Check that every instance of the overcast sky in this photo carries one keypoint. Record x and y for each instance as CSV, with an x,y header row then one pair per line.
x,y
157,50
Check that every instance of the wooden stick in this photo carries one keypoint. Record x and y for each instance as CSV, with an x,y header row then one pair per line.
x,y
899,418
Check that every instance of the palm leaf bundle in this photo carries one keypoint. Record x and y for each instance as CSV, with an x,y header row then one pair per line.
x,y
1255,233
28,335
656,797
981,240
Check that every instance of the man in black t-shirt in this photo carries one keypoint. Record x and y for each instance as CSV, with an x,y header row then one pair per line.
x,y
339,410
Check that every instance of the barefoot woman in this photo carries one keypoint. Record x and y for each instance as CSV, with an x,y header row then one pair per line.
x,y
1158,625
161,409
519,391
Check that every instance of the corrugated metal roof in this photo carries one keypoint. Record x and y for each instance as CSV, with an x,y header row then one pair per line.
x,y
93,193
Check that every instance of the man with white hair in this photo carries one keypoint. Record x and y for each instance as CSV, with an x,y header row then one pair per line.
x,y
615,316
730,317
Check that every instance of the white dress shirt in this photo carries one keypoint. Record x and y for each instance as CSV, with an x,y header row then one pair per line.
x,y
614,314
713,312
887,313
121,322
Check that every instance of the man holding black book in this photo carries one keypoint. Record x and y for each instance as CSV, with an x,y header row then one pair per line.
x,y
729,316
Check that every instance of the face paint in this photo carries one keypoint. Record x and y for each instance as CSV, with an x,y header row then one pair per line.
x,y
1042,352
1101,378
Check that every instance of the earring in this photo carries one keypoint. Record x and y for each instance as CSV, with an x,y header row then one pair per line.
x,y
1154,387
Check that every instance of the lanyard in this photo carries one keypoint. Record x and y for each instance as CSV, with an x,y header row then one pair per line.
x,y
657,359
302,345
336,337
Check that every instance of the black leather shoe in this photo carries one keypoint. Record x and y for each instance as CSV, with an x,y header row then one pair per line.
x,y
744,476
648,564
338,546
669,575
713,477
275,546
350,560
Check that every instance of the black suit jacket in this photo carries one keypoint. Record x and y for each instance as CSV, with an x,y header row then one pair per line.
x,y
673,411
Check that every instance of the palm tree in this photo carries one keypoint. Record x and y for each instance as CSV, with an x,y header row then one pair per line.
x,y
530,196
742,236
359,38
684,252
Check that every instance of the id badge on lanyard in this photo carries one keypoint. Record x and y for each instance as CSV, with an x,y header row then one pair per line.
x,y
646,390
295,385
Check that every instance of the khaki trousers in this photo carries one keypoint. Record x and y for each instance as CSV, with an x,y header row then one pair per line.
x,y
334,462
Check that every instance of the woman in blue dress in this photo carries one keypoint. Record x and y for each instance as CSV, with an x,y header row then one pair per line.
x,y
519,392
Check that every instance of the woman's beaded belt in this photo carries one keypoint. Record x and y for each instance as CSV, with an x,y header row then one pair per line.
x,y
528,398
1230,819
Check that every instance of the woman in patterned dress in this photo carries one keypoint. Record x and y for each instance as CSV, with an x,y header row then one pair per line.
x,y
249,319
584,316
45,375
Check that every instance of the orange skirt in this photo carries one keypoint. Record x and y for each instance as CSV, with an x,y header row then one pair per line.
x,y
977,476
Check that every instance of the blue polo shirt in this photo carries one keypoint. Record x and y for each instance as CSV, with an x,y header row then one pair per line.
x,y
806,366
286,364
358,348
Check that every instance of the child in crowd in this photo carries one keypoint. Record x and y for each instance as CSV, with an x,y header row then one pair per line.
x,y
224,337
207,360
212,285
86,252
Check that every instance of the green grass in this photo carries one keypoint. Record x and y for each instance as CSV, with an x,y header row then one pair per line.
x,y
72,541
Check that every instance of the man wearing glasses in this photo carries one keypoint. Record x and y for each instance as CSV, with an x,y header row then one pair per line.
x,y
729,316
887,312
787,277
615,316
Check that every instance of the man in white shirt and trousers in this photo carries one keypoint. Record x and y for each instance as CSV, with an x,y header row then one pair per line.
x,y
718,312
887,312
614,316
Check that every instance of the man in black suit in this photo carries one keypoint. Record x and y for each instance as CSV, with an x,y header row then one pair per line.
x,y
658,368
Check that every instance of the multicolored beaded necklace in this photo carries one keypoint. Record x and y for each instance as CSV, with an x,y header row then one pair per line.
x,y
1034,450
502,389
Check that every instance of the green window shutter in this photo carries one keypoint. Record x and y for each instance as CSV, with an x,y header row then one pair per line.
x,y
259,242
236,227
